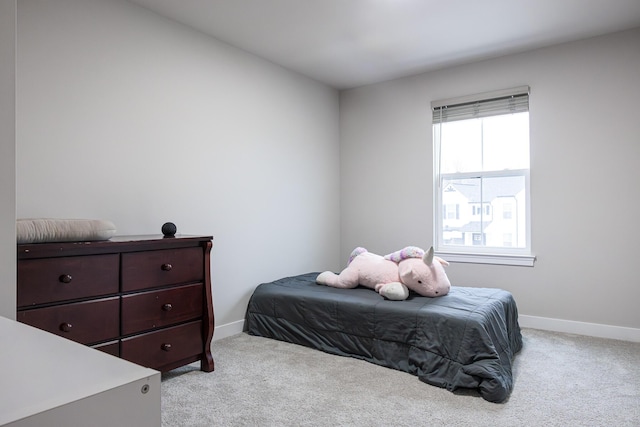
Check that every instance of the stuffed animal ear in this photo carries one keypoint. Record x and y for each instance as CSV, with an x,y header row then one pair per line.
x,y
441,261
428,256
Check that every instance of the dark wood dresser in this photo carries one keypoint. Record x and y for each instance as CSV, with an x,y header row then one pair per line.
x,y
146,299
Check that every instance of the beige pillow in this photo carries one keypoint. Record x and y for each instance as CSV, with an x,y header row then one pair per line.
x,y
41,230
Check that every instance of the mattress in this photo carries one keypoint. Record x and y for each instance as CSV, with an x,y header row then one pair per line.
x,y
464,340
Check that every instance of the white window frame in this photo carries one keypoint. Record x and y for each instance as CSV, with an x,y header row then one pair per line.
x,y
474,254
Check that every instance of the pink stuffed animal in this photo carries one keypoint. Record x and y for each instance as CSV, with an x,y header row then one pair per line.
x,y
393,275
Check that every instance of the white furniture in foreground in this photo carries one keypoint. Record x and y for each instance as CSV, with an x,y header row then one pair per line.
x,y
51,381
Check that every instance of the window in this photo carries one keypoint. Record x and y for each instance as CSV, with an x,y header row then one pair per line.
x,y
478,239
507,211
481,156
507,238
452,211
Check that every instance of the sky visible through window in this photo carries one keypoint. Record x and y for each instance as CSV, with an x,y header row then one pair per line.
x,y
487,144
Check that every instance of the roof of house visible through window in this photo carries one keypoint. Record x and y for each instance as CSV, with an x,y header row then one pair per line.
x,y
491,187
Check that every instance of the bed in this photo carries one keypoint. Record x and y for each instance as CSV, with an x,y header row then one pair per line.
x,y
464,340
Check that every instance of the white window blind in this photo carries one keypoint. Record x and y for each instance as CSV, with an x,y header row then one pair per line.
x,y
508,101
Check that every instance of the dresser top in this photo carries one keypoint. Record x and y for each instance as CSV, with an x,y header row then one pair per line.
x,y
116,244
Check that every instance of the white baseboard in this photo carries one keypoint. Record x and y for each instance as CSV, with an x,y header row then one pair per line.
x,y
228,329
580,328
534,322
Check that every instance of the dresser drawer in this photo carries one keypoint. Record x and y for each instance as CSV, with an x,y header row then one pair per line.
x,y
165,346
85,322
142,270
155,309
111,347
57,279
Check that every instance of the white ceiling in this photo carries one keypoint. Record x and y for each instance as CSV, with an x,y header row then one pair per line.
x,y
349,43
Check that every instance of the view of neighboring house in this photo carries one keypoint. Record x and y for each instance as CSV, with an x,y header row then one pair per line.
x,y
484,211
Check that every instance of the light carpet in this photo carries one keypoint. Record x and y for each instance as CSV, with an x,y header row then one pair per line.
x,y
559,380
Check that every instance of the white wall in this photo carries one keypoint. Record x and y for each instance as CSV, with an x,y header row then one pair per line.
x,y
125,115
585,150
122,114
7,159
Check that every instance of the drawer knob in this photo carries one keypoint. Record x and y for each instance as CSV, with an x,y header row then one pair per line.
x,y
167,307
65,278
166,346
66,327
166,267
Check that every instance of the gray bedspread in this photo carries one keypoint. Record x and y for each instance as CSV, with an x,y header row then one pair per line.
x,y
466,339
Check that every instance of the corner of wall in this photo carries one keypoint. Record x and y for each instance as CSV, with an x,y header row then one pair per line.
x,y
8,15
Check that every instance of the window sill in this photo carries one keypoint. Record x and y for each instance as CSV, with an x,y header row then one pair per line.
x,y
495,259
